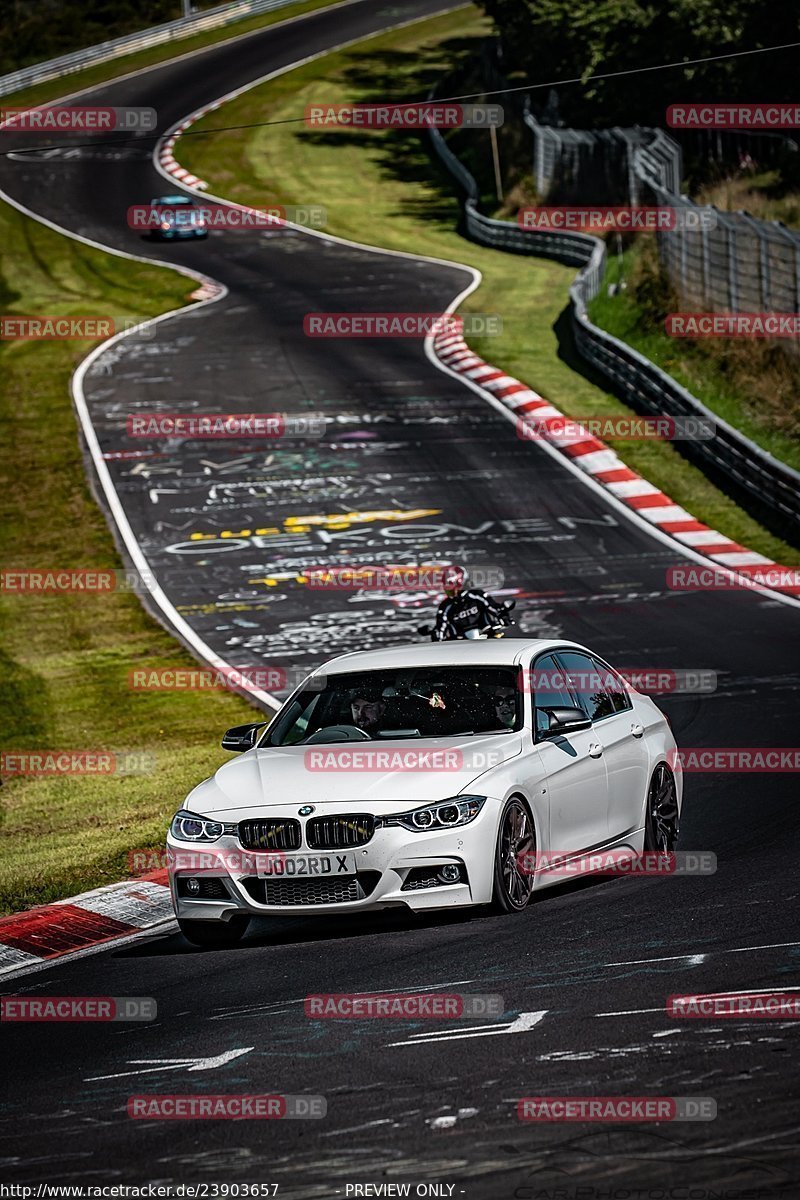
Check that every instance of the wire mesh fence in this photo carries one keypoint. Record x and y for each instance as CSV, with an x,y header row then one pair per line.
x,y
745,465
729,262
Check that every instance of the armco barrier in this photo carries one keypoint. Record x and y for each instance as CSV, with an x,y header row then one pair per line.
x,y
67,64
642,384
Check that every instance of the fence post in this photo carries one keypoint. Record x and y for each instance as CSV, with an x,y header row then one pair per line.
x,y
733,265
707,297
763,245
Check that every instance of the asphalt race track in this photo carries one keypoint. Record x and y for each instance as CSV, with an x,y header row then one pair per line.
x,y
597,959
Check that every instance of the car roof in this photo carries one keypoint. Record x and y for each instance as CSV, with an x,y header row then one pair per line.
x,y
494,652
173,200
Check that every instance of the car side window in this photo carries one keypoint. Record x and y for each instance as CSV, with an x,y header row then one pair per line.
x,y
549,690
615,686
586,681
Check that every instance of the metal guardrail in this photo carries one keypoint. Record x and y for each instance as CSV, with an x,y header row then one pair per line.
x,y
641,383
68,64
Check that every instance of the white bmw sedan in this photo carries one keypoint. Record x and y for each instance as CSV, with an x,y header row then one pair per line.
x,y
427,777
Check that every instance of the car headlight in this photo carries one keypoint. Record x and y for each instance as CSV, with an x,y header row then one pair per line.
x,y
447,814
188,827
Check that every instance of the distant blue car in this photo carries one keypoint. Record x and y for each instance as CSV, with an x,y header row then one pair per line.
x,y
179,217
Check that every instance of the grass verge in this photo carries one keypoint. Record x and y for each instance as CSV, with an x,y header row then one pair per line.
x,y
386,189
64,659
751,385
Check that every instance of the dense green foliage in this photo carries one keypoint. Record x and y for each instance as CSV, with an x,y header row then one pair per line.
x,y
567,39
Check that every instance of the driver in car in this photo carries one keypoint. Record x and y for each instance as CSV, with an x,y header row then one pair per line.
x,y
367,710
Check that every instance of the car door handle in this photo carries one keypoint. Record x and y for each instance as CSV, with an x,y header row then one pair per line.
x,y
595,750
637,730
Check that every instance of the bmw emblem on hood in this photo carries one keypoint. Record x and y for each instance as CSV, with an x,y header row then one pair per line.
x,y
306,810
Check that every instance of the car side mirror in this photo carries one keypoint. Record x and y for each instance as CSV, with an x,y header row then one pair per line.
x,y
565,720
242,737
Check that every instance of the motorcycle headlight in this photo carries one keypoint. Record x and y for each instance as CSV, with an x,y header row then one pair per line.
x,y
188,827
448,814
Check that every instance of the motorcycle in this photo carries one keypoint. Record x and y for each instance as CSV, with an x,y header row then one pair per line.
x,y
494,630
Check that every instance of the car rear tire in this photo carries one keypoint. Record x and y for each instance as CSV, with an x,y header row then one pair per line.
x,y
515,836
662,820
214,933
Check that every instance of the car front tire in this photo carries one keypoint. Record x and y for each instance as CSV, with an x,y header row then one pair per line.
x,y
214,933
515,836
662,820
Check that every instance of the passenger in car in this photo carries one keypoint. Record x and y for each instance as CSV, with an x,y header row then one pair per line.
x,y
505,706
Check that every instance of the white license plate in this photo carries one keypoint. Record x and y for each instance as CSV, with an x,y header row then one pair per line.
x,y
300,866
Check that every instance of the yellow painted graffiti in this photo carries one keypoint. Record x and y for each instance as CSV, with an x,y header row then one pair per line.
x,y
345,520
326,521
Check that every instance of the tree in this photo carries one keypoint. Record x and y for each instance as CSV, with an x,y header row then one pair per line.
x,y
547,40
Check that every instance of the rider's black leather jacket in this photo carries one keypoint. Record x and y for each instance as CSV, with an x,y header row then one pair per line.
x,y
470,609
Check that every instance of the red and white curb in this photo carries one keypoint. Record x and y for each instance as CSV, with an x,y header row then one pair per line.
x,y
602,463
207,291
168,163
103,915
167,159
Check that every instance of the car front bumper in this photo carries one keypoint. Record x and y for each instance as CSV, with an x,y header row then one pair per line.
x,y
383,865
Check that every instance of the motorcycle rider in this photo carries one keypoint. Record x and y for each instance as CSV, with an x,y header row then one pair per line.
x,y
464,608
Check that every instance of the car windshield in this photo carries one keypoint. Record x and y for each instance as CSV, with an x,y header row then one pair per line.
x,y
420,702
